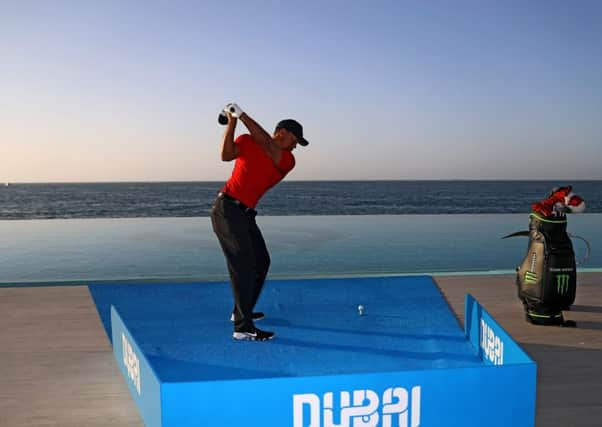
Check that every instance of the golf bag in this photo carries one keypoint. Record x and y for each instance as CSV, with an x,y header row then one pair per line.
x,y
547,277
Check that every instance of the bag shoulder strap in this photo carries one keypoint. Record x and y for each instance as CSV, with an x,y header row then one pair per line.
x,y
518,233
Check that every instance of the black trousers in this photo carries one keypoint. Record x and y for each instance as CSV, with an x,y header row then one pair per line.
x,y
246,255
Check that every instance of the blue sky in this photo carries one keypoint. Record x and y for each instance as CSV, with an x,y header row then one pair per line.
x,y
130,91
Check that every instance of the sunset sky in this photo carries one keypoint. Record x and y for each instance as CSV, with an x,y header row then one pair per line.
x,y
130,91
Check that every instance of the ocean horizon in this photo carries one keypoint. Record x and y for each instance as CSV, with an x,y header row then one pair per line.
x,y
20,201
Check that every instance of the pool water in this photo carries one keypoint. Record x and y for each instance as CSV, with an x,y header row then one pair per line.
x,y
99,250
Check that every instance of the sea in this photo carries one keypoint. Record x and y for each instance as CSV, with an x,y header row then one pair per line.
x,y
131,232
194,199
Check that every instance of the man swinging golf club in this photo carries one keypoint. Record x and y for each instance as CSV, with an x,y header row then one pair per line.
x,y
262,160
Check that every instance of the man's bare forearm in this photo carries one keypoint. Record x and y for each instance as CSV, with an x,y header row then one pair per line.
x,y
257,132
228,146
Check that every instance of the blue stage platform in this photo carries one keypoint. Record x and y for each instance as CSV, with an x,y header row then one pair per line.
x,y
404,362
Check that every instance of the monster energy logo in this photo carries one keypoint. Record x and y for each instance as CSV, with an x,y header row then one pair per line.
x,y
530,277
562,284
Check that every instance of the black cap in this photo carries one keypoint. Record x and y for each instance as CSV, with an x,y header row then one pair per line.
x,y
295,128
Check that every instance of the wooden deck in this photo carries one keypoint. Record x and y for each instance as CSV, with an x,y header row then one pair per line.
x,y
57,367
56,363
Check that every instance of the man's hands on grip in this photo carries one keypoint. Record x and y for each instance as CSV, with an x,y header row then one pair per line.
x,y
234,110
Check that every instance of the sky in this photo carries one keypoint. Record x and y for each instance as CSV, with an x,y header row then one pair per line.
x,y
95,91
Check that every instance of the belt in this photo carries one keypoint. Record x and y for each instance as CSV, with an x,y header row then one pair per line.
x,y
237,202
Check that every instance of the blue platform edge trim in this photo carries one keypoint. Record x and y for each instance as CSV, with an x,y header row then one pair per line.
x,y
489,339
496,348
142,381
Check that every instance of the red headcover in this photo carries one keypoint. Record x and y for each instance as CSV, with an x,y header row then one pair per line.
x,y
560,202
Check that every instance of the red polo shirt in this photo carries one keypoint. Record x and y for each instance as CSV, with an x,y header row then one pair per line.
x,y
254,171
